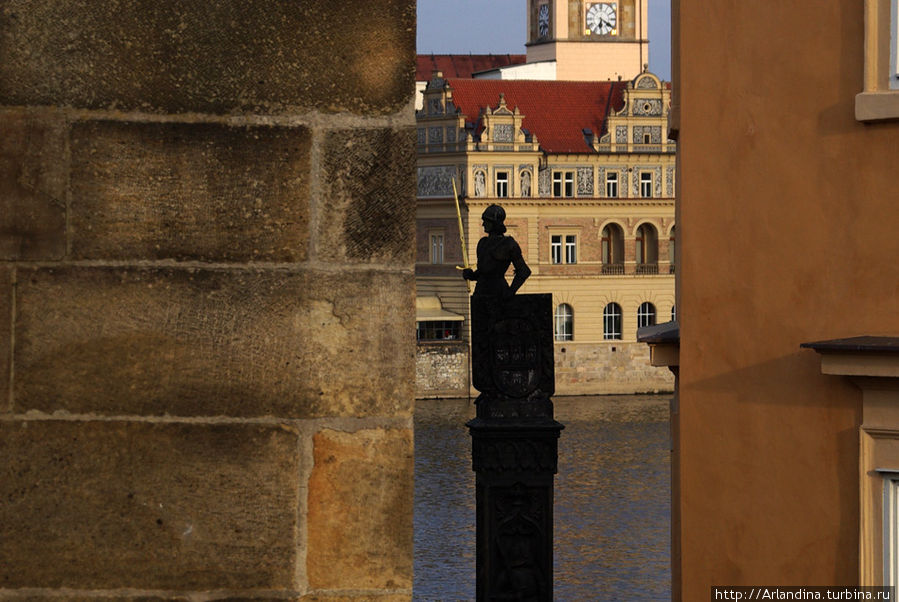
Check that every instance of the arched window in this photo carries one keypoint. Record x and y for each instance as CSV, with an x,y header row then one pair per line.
x,y
673,313
647,250
612,249
671,244
564,322
611,322
646,315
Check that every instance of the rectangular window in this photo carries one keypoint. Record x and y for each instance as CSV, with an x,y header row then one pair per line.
x,y
563,248
563,183
555,248
646,184
612,184
647,139
439,330
502,184
570,249
436,247
879,98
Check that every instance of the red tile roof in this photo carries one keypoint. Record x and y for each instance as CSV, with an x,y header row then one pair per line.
x,y
556,112
462,65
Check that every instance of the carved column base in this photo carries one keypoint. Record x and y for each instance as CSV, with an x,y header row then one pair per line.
x,y
514,461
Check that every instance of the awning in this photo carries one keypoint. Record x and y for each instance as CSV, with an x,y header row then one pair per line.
x,y
429,309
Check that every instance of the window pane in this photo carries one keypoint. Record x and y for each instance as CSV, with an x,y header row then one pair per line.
x,y
564,323
646,315
437,248
612,184
646,185
611,318
570,249
502,184
556,249
439,330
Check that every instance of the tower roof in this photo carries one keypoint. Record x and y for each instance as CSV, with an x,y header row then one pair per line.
x,y
557,112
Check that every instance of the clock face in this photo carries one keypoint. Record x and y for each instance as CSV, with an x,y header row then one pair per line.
x,y
602,19
543,20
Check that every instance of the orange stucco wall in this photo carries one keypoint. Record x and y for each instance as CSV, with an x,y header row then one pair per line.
x,y
787,212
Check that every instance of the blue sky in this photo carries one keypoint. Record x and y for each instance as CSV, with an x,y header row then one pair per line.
x,y
499,26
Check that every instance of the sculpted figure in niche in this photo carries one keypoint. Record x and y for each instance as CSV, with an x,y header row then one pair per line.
x,y
525,183
496,252
480,185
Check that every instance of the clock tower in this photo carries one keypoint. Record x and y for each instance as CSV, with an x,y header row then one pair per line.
x,y
588,39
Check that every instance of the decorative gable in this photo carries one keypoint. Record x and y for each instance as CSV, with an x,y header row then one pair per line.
x,y
502,128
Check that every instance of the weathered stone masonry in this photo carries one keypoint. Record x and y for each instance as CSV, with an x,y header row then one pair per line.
x,y
206,299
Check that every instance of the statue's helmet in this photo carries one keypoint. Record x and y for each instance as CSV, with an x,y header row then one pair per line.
x,y
495,214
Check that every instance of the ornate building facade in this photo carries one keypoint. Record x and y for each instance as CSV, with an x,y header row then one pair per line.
x,y
586,174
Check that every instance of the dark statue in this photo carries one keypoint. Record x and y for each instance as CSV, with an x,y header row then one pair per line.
x,y
512,341
496,252
514,437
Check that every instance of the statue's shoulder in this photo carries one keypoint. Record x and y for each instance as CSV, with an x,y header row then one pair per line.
x,y
511,244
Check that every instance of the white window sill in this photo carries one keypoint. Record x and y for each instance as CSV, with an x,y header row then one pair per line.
x,y
877,106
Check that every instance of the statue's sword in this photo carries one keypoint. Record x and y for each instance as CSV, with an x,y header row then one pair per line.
x,y
464,265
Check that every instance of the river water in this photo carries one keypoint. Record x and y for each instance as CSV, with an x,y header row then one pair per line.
x,y
612,500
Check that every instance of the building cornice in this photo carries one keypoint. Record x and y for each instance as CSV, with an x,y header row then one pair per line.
x,y
566,202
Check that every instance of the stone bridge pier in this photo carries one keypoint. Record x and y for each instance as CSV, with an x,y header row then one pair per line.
x,y
206,299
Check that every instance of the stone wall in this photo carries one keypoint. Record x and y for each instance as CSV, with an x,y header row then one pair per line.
x,y
205,234
604,368
441,370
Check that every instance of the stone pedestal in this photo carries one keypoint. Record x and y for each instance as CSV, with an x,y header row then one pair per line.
x,y
514,446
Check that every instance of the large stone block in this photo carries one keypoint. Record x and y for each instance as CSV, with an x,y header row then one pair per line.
x,y
33,170
214,57
369,196
6,294
360,510
193,342
100,596
189,191
105,505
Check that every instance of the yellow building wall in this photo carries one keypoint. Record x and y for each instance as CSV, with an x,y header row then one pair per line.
x,y
786,219
597,61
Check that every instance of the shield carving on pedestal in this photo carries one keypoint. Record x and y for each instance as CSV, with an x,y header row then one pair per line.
x,y
515,351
